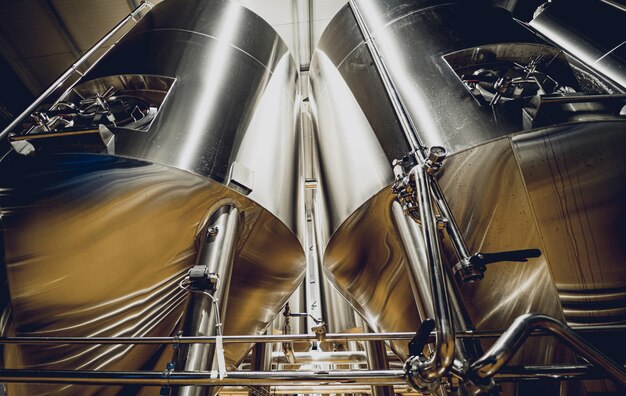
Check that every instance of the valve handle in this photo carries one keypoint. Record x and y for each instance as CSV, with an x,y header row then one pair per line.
x,y
420,339
520,256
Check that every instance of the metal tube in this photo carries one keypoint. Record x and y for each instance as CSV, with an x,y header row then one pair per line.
x,y
323,390
396,101
338,357
205,308
157,378
261,361
443,356
410,132
73,68
458,242
247,339
512,339
377,360
292,379
615,4
413,244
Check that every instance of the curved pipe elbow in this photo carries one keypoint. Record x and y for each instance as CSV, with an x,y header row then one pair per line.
x,y
513,338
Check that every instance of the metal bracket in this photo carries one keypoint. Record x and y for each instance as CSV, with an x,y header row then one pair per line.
x,y
200,279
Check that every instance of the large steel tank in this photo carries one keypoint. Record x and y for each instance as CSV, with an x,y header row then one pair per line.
x,y
534,140
106,196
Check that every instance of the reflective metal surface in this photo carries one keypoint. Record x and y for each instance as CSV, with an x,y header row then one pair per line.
x,y
97,271
595,39
574,177
425,46
242,99
97,245
511,340
208,301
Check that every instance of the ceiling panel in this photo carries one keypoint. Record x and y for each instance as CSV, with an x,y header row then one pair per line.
x,y
29,29
45,69
88,21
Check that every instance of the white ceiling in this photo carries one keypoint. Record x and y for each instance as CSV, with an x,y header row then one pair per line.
x,y
41,38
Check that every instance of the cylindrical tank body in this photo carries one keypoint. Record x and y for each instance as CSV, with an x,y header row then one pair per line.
x,y
517,176
97,244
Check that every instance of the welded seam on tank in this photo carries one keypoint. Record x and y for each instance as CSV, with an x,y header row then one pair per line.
x,y
520,174
373,34
211,37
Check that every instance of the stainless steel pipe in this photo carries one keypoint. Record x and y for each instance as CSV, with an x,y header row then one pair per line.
x,y
443,355
275,378
155,378
376,352
246,339
409,130
512,339
205,308
338,357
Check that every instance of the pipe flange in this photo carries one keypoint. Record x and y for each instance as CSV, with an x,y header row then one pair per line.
x,y
413,377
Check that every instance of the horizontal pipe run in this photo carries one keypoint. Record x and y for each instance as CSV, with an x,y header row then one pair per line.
x,y
322,357
157,378
305,390
244,339
321,379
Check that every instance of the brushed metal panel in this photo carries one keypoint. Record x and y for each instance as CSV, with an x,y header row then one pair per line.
x,y
235,92
575,177
97,245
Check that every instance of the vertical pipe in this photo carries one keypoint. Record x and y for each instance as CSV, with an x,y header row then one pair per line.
x,y
261,361
441,360
410,133
417,268
377,360
415,264
216,253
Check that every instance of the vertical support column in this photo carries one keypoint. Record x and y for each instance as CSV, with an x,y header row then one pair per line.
x,y
261,361
377,360
208,296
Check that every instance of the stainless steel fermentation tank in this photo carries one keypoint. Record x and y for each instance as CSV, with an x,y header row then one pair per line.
x,y
107,198
462,168
535,142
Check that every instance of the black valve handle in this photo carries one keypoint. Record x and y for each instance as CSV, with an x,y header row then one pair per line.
x,y
420,339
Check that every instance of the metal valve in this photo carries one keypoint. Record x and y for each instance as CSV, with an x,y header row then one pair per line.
x,y
434,159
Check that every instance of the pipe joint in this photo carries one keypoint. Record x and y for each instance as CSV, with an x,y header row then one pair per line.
x,y
415,370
